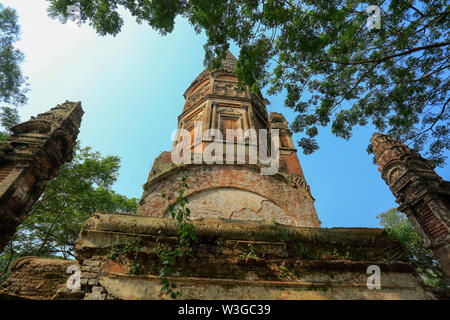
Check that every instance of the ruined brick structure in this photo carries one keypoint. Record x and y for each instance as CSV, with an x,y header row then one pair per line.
x,y
242,260
258,235
232,190
33,154
38,278
233,260
421,194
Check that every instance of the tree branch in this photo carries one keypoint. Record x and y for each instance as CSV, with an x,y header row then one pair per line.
x,y
435,121
11,254
414,8
434,45
355,85
434,71
44,242
443,14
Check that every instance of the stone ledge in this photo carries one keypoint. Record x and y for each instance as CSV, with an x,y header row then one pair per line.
x,y
103,230
144,288
230,229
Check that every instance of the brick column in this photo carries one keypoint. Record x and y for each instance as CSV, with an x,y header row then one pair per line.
x,y
32,155
422,194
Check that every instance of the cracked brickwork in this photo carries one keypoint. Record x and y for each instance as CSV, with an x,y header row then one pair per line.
x,y
216,191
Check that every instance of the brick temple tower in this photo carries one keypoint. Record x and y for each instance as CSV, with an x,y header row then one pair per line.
x,y
232,188
422,194
258,234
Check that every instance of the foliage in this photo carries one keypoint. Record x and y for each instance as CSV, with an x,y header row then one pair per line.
x,y
185,242
82,187
335,70
248,254
9,117
12,82
3,136
285,273
419,255
130,250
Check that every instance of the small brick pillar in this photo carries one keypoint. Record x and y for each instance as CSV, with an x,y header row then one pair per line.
x,y
421,193
33,154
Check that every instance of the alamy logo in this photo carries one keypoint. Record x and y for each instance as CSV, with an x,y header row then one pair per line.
x,y
74,281
374,281
374,20
74,14
241,147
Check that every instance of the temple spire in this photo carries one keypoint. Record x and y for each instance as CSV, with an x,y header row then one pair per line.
x,y
421,193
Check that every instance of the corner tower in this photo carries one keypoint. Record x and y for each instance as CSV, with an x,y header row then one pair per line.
x,y
420,192
32,155
232,189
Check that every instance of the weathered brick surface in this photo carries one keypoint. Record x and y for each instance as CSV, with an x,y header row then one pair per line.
x,y
90,271
245,260
232,192
37,278
33,154
232,260
422,194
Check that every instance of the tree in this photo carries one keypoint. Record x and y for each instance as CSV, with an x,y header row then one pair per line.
x,y
12,82
9,117
82,187
335,70
398,226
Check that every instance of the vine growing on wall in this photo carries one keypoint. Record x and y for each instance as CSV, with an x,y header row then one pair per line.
x,y
186,238
129,250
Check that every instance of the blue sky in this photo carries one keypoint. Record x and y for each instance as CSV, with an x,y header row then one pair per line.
x,y
131,88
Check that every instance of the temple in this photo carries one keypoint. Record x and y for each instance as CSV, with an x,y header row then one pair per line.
x,y
258,233
231,187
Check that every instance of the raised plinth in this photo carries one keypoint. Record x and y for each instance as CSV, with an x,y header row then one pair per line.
x,y
241,260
